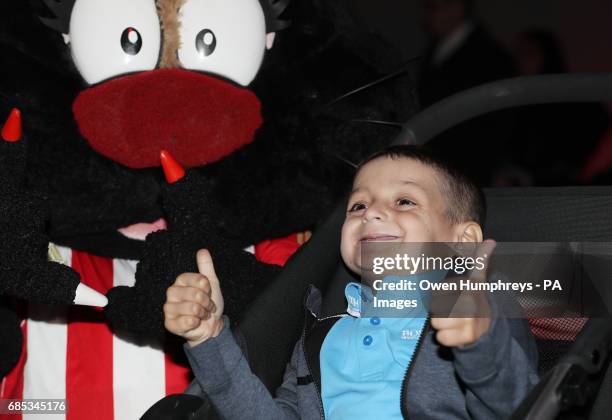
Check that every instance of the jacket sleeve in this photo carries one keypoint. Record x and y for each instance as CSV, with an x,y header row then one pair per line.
x,y
223,373
498,370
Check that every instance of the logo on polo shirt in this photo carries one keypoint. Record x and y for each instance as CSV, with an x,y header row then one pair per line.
x,y
411,334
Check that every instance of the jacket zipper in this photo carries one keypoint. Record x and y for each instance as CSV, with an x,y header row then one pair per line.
x,y
404,388
314,382
308,364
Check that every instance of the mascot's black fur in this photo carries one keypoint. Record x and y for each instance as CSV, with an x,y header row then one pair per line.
x,y
299,164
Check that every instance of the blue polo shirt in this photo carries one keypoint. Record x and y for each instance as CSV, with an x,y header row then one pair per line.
x,y
364,360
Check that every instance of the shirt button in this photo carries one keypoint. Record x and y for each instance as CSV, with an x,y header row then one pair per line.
x,y
367,340
375,320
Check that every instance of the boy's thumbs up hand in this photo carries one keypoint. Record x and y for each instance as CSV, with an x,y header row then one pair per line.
x,y
194,303
468,320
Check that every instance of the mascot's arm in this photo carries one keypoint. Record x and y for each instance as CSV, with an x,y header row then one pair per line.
x,y
25,271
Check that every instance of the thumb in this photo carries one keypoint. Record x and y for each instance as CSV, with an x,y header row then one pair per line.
x,y
483,252
206,266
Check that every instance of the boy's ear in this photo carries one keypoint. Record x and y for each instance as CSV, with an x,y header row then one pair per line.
x,y
469,232
270,39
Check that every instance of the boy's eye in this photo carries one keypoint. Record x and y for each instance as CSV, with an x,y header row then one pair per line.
x,y
357,207
405,202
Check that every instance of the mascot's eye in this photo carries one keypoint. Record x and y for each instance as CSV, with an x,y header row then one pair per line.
x,y
206,42
236,47
113,37
131,41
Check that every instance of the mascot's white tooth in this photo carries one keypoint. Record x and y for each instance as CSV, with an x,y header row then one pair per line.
x,y
87,296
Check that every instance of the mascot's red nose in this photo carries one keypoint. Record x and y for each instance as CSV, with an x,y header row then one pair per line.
x,y
197,118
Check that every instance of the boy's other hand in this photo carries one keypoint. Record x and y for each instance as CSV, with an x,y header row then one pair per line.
x,y
460,332
194,303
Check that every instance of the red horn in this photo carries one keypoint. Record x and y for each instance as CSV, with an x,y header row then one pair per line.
x,y
172,169
11,131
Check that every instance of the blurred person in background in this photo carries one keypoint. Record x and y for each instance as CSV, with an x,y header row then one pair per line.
x,y
553,142
462,54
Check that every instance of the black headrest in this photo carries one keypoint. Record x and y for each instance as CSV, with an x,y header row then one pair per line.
x,y
549,214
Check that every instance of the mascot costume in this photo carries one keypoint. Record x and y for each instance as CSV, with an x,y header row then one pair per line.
x,y
96,95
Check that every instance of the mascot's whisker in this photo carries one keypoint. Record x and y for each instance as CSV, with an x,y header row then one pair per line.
x,y
344,160
404,69
379,122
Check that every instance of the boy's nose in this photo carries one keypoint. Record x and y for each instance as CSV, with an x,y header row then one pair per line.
x,y
374,212
367,219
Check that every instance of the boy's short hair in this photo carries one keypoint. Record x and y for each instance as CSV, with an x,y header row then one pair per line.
x,y
465,201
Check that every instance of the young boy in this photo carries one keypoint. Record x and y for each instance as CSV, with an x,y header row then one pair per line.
x,y
346,367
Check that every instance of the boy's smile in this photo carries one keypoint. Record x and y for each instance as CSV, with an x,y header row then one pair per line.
x,y
378,237
395,200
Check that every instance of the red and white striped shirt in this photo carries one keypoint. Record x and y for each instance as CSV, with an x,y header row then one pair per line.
x,y
70,352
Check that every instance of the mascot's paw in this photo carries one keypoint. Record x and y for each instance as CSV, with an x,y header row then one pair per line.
x,y
132,311
25,271
11,339
138,309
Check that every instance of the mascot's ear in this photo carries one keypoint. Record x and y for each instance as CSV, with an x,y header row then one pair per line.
x,y
270,40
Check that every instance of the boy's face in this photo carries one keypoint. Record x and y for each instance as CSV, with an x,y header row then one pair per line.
x,y
394,200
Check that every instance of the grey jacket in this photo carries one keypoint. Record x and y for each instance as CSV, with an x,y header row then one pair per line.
x,y
486,380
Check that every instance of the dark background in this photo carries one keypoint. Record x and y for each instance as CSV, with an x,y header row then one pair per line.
x,y
584,26
584,31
